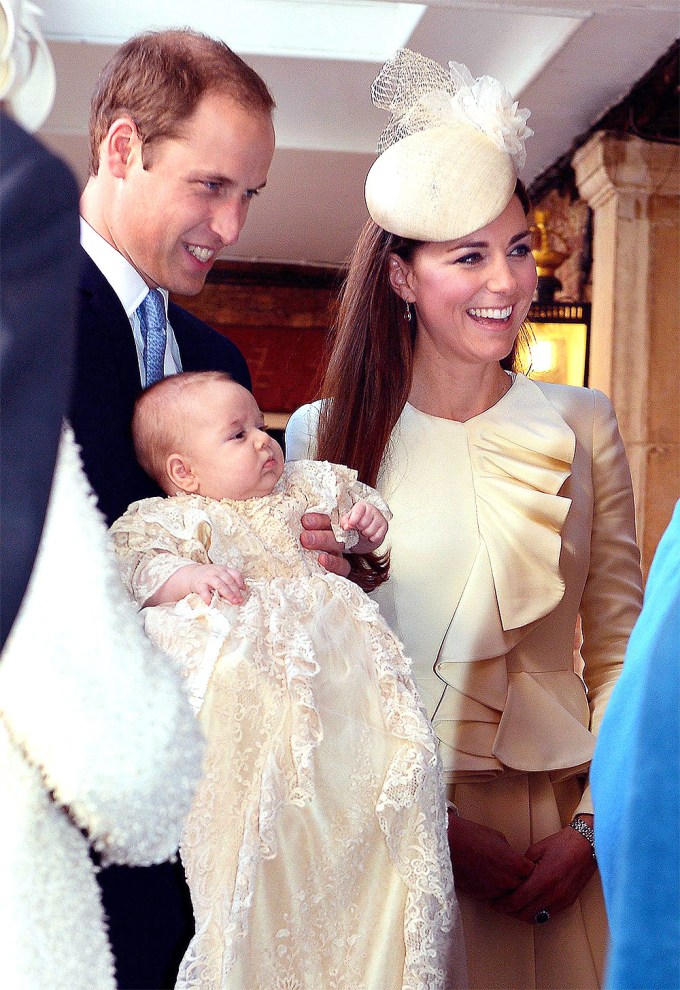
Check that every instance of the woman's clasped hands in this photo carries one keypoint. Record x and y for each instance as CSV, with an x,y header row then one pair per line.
x,y
548,877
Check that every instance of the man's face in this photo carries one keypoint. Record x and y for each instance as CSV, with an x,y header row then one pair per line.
x,y
171,218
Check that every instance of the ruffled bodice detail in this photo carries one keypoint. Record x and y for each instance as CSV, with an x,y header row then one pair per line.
x,y
519,467
505,474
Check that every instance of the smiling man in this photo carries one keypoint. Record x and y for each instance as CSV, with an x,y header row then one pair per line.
x,y
181,139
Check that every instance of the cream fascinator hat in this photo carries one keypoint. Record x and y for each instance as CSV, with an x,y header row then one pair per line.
x,y
27,77
448,159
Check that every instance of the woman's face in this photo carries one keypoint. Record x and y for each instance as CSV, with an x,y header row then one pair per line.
x,y
471,295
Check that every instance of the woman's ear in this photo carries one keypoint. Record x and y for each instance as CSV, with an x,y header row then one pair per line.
x,y
121,146
181,474
400,278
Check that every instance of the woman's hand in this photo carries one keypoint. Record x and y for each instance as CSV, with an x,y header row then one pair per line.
x,y
564,864
318,535
485,866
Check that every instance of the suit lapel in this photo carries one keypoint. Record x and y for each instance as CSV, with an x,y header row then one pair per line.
x,y
106,327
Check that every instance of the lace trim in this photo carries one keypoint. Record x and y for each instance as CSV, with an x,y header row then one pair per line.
x,y
253,673
410,806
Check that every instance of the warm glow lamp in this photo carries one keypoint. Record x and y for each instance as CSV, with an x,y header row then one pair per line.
x,y
558,350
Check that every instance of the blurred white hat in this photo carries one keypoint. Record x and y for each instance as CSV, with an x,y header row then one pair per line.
x,y
27,77
449,157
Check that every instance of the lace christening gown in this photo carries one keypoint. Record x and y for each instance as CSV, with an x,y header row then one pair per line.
x,y
316,848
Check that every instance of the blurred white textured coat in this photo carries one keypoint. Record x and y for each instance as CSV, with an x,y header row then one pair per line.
x,y
96,735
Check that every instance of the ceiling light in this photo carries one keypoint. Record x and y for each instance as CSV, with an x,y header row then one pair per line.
x,y
358,30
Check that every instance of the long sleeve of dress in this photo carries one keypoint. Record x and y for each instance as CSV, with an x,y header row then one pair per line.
x,y
154,539
612,597
337,490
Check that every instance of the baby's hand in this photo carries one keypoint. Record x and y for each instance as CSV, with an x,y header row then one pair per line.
x,y
369,522
205,579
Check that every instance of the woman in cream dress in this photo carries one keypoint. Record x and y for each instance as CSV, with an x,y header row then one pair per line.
x,y
513,514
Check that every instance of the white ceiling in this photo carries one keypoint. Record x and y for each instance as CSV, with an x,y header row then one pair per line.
x,y
567,63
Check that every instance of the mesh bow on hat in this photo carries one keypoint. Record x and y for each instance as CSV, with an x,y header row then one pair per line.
x,y
449,157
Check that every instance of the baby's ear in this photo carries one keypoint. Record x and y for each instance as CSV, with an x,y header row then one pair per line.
x,y
181,473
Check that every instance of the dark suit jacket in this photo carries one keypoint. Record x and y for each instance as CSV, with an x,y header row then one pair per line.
x,y
148,908
107,384
38,271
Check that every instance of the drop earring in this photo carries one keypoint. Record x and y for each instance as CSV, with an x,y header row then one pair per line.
x,y
408,315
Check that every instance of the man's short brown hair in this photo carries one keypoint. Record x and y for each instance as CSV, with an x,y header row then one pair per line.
x,y
158,78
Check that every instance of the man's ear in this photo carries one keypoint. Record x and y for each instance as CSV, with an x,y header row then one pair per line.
x,y
121,147
400,278
181,474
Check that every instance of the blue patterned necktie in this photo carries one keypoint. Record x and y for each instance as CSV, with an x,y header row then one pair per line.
x,y
152,321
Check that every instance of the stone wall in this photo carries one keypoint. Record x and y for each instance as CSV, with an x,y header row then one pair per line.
x,y
633,188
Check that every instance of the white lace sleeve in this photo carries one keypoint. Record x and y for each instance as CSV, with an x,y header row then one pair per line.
x,y
332,490
86,696
155,538
351,491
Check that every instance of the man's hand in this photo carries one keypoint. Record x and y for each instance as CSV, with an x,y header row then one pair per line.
x,y
369,522
318,536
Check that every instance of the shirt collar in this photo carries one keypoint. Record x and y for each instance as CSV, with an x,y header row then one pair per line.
x,y
123,278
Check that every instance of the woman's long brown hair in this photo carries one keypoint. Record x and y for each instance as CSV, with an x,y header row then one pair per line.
x,y
369,370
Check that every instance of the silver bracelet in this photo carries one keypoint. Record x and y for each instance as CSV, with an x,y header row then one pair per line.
x,y
581,826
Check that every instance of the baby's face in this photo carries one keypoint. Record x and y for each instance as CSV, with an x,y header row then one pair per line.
x,y
230,453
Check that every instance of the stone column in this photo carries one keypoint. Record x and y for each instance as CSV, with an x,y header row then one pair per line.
x,y
633,188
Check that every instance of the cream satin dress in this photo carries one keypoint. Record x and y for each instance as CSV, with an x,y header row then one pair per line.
x,y
315,850
505,528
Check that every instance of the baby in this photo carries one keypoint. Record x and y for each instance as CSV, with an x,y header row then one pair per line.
x,y
315,850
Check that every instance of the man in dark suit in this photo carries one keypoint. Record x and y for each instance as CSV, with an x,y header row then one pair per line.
x,y
38,267
181,140
108,383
